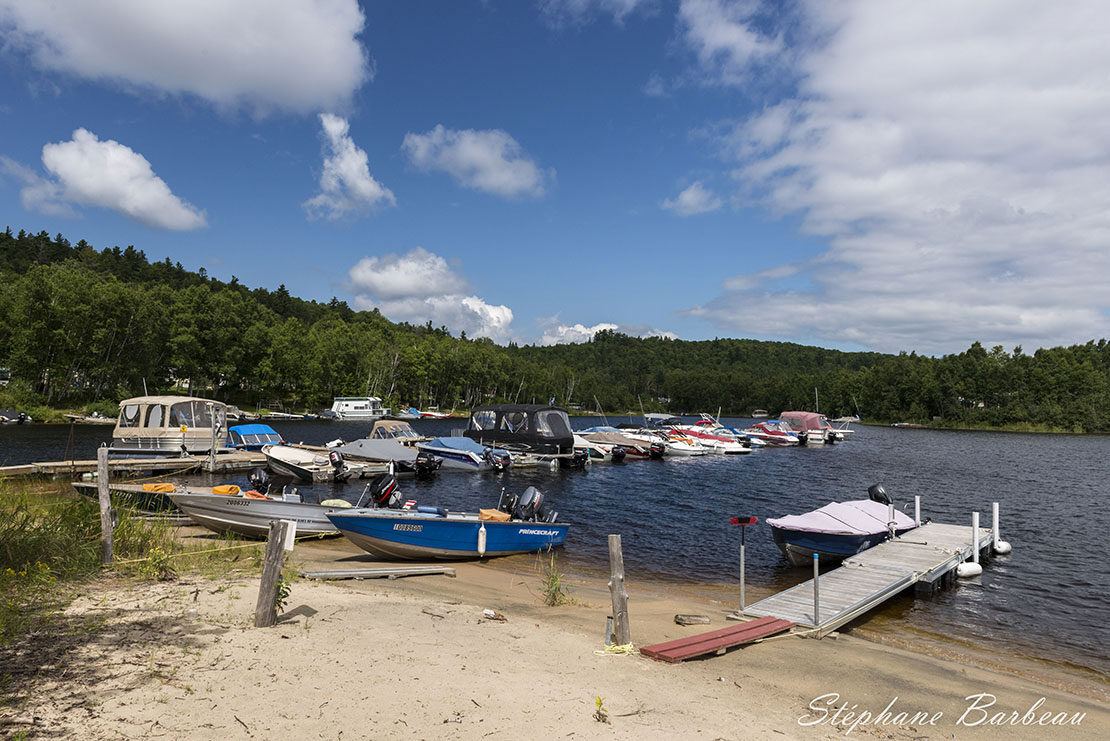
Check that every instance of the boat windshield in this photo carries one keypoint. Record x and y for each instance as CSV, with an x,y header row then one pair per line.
x,y
553,423
196,413
129,415
485,419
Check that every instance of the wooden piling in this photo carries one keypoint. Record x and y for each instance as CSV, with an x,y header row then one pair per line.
x,y
265,610
622,631
106,539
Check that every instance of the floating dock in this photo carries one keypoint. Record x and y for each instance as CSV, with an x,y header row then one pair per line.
x,y
922,558
238,460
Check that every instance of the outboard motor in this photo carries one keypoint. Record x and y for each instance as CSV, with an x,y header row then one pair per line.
x,y
618,453
259,480
657,450
426,465
384,492
530,507
498,460
578,459
335,458
877,493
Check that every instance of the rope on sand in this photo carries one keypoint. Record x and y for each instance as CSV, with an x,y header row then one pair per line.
x,y
626,649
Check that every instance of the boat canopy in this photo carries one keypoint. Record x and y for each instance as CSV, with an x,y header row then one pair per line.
x,y
253,436
391,429
859,517
528,428
805,420
170,412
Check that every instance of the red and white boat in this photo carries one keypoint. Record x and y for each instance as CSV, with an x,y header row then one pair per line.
x,y
435,414
772,432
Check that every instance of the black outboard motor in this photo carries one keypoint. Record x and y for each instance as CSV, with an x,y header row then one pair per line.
x,y
618,452
877,493
530,507
426,465
578,459
259,480
657,450
384,492
498,460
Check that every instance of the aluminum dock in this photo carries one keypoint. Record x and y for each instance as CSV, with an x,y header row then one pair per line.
x,y
922,557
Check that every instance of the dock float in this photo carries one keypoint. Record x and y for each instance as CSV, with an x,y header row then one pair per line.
x,y
715,641
922,558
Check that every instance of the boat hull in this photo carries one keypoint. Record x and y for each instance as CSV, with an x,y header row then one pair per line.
x,y
799,546
399,535
252,517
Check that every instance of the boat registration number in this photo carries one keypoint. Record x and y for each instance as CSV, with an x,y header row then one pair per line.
x,y
409,528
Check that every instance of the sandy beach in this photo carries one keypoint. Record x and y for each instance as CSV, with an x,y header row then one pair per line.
x,y
418,658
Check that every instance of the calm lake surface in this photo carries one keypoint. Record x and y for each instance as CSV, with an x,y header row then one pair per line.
x,y
1048,601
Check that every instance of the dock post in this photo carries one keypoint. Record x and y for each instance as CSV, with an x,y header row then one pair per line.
x,y
917,510
106,538
622,632
265,610
816,593
998,545
741,570
975,537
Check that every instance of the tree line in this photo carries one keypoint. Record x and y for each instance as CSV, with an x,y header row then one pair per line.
x,y
80,326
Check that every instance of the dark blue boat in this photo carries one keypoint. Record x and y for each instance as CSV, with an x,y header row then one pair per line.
x,y
419,532
839,529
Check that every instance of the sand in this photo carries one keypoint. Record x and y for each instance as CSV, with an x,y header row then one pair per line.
x,y
418,658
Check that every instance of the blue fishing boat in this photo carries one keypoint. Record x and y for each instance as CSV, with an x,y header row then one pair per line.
x,y
839,529
252,437
397,529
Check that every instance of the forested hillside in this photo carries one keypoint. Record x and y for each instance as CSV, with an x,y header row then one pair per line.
x,y
78,325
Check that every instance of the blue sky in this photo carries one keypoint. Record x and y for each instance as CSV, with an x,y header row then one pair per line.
x,y
860,175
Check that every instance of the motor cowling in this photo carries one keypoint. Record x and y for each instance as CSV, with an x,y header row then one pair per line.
x,y
384,492
259,480
498,460
426,464
618,453
335,458
657,450
877,493
530,507
578,459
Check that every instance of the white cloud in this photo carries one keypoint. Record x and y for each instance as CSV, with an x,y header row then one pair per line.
x,y
298,55
346,185
104,174
573,12
725,38
695,199
557,333
491,161
955,157
420,286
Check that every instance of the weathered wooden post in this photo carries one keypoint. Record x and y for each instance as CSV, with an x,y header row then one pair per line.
x,y
265,610
622,631
106,540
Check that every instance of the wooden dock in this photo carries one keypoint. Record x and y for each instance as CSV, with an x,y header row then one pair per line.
x,y
230,461
922,557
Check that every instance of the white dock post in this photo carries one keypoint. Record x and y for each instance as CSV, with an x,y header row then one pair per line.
x,y
966,569
917,510
975,537
997,545
816,593
890,519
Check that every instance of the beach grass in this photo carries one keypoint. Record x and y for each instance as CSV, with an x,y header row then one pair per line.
x,y
50,546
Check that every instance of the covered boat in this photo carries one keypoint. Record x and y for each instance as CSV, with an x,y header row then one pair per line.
x,y
839,529
462,453
535,429
405,458
815,427
397,529
169,426
252,437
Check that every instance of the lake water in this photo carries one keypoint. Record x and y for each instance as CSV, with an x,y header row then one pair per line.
x,y
1046,602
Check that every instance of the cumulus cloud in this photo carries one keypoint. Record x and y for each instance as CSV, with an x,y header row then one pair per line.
x,y
695,199
557,333
346,185
103,174
418,287
724,36
573,12
954,156
491,161
293,55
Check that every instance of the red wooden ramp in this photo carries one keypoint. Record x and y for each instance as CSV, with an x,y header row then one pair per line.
x,y
716,640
